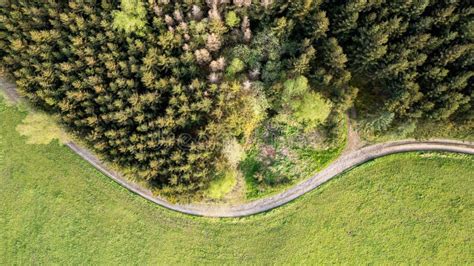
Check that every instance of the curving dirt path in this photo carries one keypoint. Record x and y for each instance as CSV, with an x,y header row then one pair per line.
x,y
345,162
348,160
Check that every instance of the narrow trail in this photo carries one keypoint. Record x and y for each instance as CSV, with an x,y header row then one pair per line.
x,y
342,164
354,141
354,155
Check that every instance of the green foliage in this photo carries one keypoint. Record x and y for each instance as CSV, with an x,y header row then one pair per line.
x,y
236,66
141,100
413,50
305,107
296,87
312,110
301,66
283,154
222,185
379,124
232,19
423,130
131,17
57,209
213,71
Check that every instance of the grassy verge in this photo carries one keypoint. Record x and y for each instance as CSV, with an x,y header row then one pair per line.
x,y
422,130
222,185
407,208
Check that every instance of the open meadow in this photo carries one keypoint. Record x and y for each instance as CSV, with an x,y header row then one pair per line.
x,y
406,208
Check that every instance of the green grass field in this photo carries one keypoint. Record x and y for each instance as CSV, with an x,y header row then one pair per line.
x,y
56,208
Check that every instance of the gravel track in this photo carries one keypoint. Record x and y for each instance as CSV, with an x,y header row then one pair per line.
x,y
348,160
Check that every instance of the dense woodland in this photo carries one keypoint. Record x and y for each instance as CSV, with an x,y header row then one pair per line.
x,y
163,86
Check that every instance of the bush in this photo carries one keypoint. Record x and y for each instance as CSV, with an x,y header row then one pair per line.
x,y
236,66
304,106
311,110
231,19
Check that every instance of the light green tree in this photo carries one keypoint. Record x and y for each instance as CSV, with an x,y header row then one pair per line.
x,y
131,17
311,110
236,66
305,107
231,19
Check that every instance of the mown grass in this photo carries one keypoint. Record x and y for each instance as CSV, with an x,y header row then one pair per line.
x,y
56,209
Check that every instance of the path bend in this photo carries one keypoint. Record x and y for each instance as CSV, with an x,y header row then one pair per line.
x,y
342,164
345,162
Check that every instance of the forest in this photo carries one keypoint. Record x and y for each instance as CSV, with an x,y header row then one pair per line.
x,y
182,91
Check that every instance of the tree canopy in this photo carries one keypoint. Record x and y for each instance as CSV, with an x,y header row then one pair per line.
x,y
161,85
